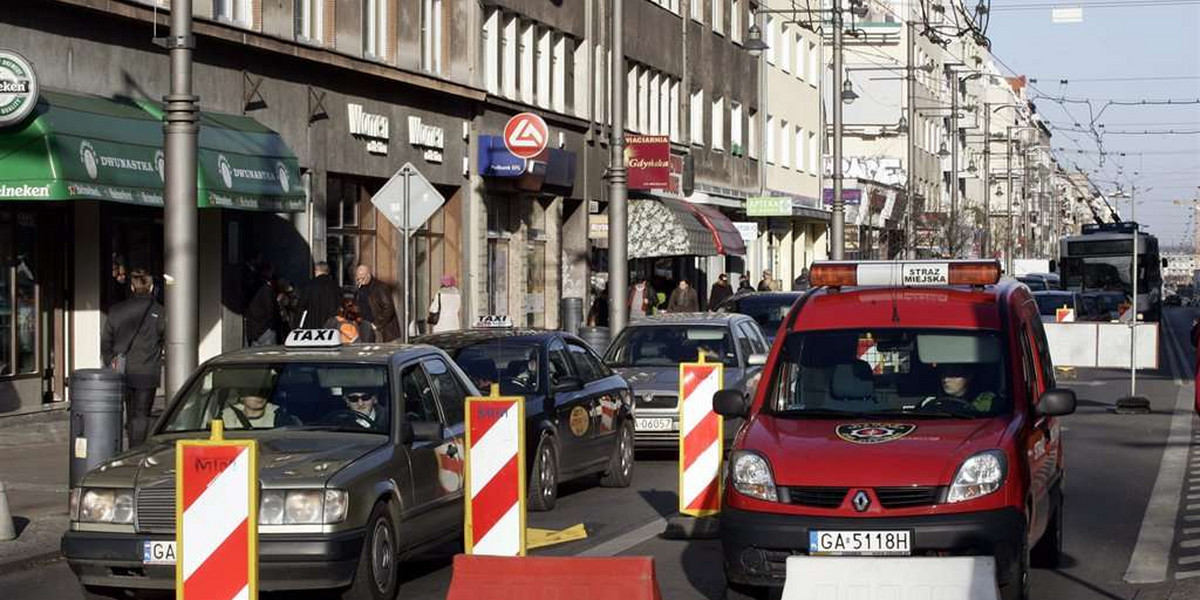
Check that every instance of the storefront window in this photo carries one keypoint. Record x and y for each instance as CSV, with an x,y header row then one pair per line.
x,y
350,224
6,294
26,288
499,233
535,265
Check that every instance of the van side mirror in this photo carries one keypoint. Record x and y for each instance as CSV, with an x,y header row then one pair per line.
x,y
421,431
1056,402
731,403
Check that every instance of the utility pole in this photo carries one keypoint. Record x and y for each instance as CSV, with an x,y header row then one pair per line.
x,y
618,261
1025,203
837,226
987,180
911,117
1008,240
182,264
953,229
1133,403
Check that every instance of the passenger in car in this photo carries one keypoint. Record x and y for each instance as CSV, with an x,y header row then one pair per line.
x,y
254,411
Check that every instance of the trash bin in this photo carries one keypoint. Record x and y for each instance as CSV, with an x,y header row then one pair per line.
x,y
596,337
96,403
572,314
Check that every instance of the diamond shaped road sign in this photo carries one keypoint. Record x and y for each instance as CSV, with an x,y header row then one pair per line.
x,y
423,199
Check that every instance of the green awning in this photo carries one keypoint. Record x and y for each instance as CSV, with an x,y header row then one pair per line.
x,y
86,147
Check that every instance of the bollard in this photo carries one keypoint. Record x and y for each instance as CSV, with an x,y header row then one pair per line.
x,y
571,315
97,398
8,531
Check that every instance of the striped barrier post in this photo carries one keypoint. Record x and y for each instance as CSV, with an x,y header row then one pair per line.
x,y
495,475
700,438
216,518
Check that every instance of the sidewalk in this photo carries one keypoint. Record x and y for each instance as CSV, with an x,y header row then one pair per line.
x,y
34,468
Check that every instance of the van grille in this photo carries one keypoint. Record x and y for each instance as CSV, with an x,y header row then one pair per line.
x,y
156,509
907,497
651,400
819,497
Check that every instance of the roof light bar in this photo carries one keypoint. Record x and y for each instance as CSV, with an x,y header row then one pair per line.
x,y
910,273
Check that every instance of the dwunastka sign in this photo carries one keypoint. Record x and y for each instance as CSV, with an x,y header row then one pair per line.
x,y
648,161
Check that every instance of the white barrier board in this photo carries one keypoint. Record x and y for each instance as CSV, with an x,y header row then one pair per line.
x,y
1112,345
890,578
1072,344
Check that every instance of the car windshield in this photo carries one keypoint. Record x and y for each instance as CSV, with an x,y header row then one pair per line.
x,y
1035,284
768,311
513,365
920,373
668,344
1048,304
318,396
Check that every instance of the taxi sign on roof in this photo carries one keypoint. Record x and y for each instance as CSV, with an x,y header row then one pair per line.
x,y
494,322
314,338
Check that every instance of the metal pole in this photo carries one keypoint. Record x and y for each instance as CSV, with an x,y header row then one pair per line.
x,y
618,265
1024,203
182,264
987,181
1008,239
1133,312
911,116
837,226
953,245
404,233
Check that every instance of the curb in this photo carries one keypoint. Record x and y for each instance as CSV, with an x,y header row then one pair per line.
x,y
25,563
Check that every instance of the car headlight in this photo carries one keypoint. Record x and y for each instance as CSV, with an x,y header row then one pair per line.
x,y
751,475
302,507
978,476
100,505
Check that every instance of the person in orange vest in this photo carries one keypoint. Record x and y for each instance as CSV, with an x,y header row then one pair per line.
x,y
351,325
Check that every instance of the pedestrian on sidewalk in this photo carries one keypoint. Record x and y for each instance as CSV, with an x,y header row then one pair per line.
x,y
262,314
642,299
720,291
353,328
444,311
744,283
319,301
132,344
801,283
375,304
766,284
683,299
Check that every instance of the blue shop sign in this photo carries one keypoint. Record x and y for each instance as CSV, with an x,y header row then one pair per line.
x,y
496,161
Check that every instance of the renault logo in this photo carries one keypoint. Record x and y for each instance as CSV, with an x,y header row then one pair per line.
x,y
861,501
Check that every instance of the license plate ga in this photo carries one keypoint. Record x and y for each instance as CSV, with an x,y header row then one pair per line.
x,y
158,553
860,543
645,424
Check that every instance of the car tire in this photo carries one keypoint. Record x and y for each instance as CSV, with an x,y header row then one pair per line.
x,y
1018,583
91,592
1048,552
378,573
543,479
621,462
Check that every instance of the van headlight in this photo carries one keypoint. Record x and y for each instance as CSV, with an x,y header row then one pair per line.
x,y
751,475
302,507
104,505
978,476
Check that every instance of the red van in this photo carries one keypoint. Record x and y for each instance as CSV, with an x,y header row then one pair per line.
x,y
907,409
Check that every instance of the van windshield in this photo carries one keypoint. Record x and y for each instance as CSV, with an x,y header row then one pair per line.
x,y
882,372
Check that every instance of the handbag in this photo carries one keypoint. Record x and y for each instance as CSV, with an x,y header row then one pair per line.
x,y
436,314
121,360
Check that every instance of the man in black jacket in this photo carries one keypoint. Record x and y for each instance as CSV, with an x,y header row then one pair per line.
x,y
320,300
133,335
262,314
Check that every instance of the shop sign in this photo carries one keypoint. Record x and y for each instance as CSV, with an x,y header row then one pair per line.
x,y
598,227
496,161
769,206
18,88
371,127
648,161
748,230
432,139
526,135
675,186
849,196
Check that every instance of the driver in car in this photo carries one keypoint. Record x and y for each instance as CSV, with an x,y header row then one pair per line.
x,y
956,384
254,411
363,404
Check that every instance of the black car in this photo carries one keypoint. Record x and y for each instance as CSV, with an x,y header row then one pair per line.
x,y
579,413
768,309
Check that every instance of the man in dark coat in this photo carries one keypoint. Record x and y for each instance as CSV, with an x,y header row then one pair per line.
x,y
134,334
375,304
683,299
720,291
320,300
262,313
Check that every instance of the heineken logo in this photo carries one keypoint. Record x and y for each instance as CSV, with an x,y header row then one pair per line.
x,y
18,88
24,191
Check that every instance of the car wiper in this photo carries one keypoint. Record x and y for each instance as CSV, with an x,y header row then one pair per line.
x,y
328,428
935,414
819,412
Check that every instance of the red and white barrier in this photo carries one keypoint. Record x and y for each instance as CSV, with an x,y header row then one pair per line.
x,y
700,437
495,475
216,527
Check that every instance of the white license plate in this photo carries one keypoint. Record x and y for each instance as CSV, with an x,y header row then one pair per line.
x,y
158,553
666,424
860,543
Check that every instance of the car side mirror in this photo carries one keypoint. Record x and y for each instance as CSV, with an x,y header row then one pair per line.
x,y
756,360
568,384
421,431
1056,402
731,403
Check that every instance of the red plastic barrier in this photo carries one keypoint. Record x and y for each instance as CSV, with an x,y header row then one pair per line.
x,y
553,578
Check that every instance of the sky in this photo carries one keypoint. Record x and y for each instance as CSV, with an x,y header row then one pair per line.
x,y
1139,50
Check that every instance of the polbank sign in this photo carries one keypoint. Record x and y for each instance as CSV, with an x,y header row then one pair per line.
x,y
18,88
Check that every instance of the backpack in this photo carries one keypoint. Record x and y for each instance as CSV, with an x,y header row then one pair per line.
x,y
349,331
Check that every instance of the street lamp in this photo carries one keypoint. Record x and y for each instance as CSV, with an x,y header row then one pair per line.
x,y
943,152
754,40
848,93
971,167
902,125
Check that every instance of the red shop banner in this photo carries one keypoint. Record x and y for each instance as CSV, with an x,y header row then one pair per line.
x,y
648,160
